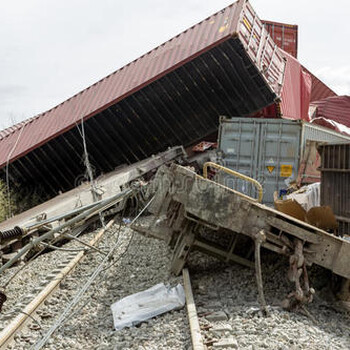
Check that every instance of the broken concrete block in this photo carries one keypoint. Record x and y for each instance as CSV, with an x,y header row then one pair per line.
x,y
216,316
226,343
214,305
222,328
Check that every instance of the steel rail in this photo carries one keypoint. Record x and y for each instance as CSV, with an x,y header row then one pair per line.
x,y
38,224
197,341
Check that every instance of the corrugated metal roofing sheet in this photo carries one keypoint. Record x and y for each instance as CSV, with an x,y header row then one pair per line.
x,y
300,87
335,108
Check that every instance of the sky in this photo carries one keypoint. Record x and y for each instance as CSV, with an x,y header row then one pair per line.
x,y
50,50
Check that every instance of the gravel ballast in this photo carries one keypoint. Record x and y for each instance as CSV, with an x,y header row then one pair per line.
x,y
145,264
231,291
226,298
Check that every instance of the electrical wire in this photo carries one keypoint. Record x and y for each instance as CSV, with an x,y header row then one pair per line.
x,y
32,258
40,251
64,249
90,175
89,170
110,265
22,267
103,277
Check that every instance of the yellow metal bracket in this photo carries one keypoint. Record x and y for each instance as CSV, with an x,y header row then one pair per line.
x,y
236,174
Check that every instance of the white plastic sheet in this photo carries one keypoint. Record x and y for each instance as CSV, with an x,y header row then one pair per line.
x,y
142,306
307,196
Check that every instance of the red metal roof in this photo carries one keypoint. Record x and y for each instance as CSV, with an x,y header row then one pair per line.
x,y
335,108
21,138
295,96
286,37
319,89
300,88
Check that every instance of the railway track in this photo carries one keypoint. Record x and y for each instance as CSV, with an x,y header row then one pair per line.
x,y
224,302
26,309
196,336
206,334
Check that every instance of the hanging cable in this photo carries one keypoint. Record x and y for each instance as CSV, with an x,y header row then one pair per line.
x,y
53,247
88,167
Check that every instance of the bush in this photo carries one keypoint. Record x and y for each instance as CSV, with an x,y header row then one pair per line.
x,y
20,200
4,203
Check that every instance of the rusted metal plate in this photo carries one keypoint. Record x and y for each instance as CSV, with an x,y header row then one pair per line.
x,y
296,91
309,164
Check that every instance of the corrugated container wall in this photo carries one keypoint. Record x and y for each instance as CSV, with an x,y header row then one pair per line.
x,y
268,150
173,95
284,35
234,37
335,182
295,95
296,90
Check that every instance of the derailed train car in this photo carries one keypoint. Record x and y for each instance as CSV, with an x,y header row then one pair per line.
x,y
195,213
173,95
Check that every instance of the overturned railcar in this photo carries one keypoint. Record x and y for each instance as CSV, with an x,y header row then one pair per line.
x,y
172,95
193,212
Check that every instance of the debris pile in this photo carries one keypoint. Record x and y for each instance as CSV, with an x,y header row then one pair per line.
x,y
231,78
